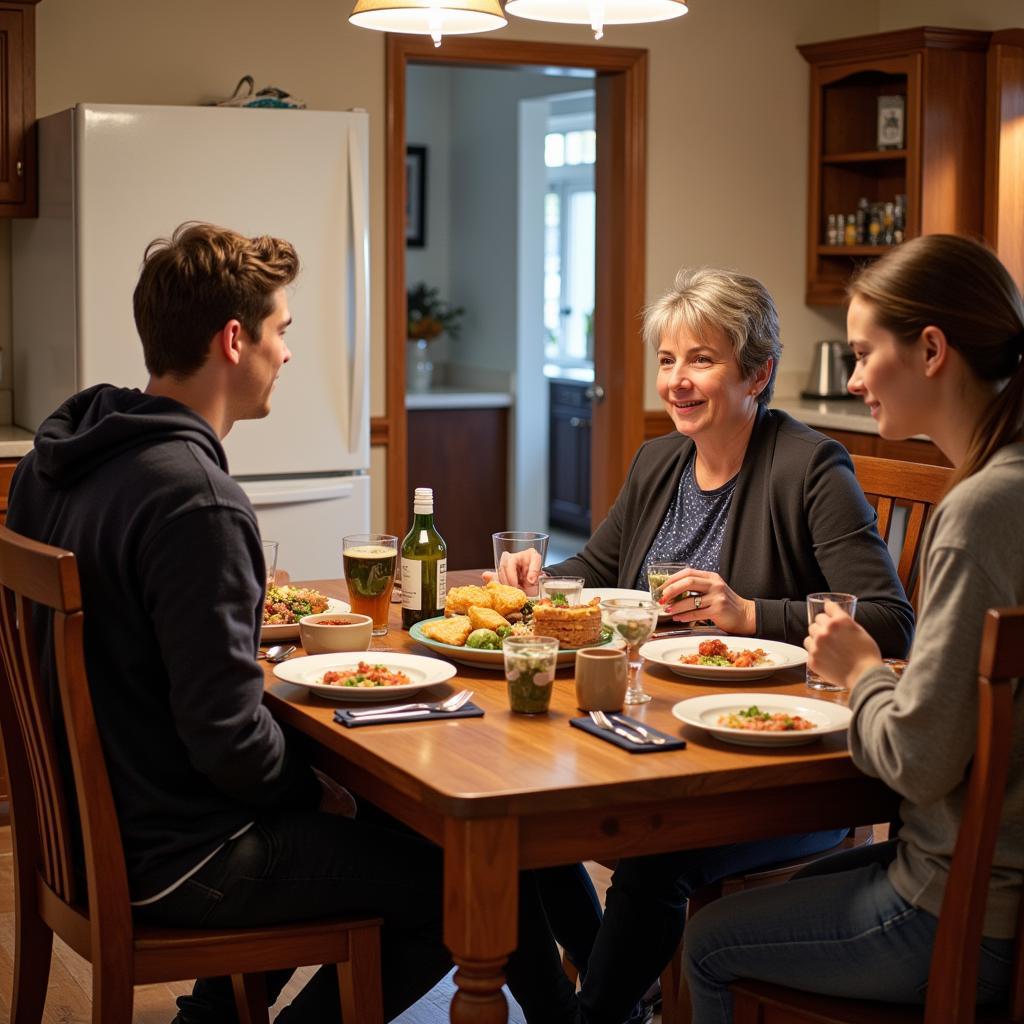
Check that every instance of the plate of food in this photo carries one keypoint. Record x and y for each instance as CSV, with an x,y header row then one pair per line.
x,y
763,719
364,676
723,659
283,607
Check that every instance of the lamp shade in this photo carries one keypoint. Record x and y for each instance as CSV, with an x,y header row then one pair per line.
x,y
597,13
428,17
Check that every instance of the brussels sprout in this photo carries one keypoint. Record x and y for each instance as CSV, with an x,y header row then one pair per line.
x,y
504,631
484,640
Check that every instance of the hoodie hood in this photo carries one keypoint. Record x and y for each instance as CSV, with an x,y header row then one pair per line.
x,y
103,422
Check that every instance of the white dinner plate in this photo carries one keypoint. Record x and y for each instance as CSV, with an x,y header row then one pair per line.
x,y
290,630
670,651
611,593
490,659
704,713
307,672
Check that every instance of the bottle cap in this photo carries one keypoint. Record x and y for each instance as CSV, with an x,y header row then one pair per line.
x,y
423,501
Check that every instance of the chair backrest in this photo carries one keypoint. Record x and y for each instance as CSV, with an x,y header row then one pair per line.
x,y
33,578
892,483
953,979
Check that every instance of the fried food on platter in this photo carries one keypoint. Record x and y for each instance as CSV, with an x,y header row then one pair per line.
x,y
486,618
503,599
452,631
459,600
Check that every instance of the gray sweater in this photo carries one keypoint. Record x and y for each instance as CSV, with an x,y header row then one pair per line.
x,y
918,734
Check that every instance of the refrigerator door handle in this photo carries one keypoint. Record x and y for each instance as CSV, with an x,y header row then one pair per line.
x,y
287,496
360,205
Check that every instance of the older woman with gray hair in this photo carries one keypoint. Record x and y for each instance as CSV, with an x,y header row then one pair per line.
x,y
765,510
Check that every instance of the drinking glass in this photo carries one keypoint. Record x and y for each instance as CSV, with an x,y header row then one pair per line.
x,y
659,573
530,663
510,542
634,619
270,561
369,561
569,588
815,606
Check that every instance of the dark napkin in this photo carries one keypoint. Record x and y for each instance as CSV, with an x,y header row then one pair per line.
x,y
344,715
673,742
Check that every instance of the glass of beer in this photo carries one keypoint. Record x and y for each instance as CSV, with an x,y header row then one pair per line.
x,y
369,561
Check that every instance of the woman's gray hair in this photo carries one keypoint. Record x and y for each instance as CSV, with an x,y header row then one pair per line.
x,y
707,297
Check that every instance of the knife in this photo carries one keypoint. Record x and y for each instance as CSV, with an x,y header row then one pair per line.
x,y
396,716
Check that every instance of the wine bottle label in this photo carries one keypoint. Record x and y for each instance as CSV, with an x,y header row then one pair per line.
x,y
442,581
412,584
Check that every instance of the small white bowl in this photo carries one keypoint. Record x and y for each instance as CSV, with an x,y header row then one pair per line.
x,y
332,632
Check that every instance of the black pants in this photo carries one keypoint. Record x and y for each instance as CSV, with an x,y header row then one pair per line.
x,y
303,866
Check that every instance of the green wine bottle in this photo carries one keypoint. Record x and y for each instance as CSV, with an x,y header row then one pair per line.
x,y
424,563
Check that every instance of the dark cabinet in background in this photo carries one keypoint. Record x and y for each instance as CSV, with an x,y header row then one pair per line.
x,y
463,455
569,457
17,108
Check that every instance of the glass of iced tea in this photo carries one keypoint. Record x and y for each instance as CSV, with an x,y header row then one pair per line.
x,y
369,561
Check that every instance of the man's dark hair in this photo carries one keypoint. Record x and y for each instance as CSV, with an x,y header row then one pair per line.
x,y
197,280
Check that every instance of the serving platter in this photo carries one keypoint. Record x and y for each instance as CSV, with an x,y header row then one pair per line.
x,y
290,630
491,659
308,672
704,713
670,651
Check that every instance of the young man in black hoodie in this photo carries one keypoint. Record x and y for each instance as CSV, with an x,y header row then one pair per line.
x,y
222,823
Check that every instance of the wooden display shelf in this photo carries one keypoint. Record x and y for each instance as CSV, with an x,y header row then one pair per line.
x,y
854,250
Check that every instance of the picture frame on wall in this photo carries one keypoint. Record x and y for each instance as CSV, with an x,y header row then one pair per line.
x,y
415,196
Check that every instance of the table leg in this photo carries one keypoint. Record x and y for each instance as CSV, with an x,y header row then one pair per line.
x,y
481,892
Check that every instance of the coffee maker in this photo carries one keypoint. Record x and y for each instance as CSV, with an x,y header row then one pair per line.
x,y
830,370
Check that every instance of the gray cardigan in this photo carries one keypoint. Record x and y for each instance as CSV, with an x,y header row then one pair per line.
x,y
799,523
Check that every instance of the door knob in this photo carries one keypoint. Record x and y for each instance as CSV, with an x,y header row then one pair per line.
x,y
595,393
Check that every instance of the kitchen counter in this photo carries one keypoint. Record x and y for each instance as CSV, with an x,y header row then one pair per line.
x,y
457,398
15,442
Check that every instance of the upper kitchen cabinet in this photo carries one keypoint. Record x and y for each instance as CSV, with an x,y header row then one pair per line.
x,y
17,108
936,159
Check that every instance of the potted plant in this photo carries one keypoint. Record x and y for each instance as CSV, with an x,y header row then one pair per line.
x,y
429,316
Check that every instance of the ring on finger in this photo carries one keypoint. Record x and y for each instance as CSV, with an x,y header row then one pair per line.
x,y
696,602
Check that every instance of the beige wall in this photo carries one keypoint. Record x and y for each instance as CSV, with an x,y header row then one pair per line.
x,y
727,112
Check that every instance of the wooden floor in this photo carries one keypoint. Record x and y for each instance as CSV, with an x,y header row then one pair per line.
x,y
68,1001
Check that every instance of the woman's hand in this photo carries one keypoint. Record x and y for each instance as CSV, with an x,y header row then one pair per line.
x,y
839,649
693,595
518,569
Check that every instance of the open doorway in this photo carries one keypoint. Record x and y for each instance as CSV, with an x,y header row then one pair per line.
x,y
617,79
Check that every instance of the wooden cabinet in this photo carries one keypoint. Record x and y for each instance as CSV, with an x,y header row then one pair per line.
x,y
6,472
940,73
569,457
463,455
17,108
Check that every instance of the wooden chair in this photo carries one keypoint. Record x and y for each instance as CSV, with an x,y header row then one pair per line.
x,y
97,922
952,979
891,483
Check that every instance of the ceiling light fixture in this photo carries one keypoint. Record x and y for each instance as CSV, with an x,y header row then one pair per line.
x,y
597,13
434,18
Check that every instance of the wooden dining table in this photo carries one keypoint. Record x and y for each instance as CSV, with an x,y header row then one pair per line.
x,y
509,791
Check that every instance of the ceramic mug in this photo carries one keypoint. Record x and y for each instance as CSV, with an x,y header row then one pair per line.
x,y
601,679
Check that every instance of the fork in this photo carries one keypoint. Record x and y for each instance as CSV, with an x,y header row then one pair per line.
x,y
452,703
601,720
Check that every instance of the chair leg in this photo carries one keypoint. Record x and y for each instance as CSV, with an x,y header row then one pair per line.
x,y
359,981
251,998
33,951
113,993
675,999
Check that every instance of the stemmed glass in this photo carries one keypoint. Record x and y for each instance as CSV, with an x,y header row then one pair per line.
x,y
634,619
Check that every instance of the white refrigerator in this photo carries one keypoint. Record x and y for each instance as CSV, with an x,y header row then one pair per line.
x,y
111,179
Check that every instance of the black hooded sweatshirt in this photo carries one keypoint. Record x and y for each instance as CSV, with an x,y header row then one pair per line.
x,y
171,568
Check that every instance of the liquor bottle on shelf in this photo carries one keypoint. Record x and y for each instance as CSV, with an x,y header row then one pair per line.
x,y
850,232
424,563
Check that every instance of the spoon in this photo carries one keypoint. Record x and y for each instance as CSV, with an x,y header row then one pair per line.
x,y
277,653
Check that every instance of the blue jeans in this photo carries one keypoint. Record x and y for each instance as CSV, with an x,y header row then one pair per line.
x,y
838,929
296,866
645,913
